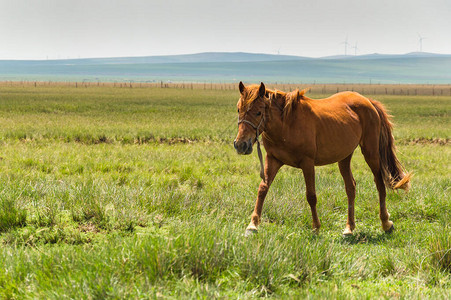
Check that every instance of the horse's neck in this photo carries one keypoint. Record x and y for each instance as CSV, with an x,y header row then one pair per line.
x,y
274,122
276,126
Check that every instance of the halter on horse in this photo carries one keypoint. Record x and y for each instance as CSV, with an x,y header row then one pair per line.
x,y
257,133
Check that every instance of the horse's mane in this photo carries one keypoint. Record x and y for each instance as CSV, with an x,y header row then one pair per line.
x,y
290,99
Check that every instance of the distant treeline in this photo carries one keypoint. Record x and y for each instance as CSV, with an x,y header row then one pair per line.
x,y
314,88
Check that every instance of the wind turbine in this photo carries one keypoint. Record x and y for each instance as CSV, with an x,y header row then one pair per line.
x,y
346,45
420,41
355,49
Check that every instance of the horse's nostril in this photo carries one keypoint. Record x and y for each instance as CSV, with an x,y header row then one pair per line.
x,y
240,146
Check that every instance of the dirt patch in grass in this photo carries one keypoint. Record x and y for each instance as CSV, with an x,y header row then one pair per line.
x,y
426,141
89,227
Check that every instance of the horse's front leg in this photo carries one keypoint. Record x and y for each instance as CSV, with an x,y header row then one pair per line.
x,y
272,166
308,169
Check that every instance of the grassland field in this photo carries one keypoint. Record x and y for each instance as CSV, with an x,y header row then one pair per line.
x,y
116,193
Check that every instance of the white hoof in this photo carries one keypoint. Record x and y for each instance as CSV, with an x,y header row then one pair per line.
x,y
388,227
250,232
347,232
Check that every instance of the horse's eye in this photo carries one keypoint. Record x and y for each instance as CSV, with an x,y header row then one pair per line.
x,y
259,113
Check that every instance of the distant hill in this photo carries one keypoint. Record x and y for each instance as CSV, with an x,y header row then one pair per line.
x,y
203,58
166,59
227,67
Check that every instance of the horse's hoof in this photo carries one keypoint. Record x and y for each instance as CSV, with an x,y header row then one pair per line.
x,y
387,226
250,231
392,228
315,231
347,232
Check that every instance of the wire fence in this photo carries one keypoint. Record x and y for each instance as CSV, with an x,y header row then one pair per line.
x,y
315,88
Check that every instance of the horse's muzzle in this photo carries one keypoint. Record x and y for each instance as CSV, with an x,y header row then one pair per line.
x,y
243,147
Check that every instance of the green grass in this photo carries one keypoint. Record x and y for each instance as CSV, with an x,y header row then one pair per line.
x,y
138,193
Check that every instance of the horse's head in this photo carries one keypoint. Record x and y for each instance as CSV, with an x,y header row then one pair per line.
x,y
251,113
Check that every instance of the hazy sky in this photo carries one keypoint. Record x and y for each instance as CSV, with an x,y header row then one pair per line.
x,y
40,29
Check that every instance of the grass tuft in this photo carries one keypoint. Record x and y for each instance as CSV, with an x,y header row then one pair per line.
x,y
11,216
440,248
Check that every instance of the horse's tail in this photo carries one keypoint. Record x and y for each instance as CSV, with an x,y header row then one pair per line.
x,y
393,173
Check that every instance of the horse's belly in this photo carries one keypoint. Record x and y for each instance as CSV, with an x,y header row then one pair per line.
x,y
336,147
322,159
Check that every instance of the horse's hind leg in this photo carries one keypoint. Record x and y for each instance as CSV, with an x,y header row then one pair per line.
x,y
371,155
345,170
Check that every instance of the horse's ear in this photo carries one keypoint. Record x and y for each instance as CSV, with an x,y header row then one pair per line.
x,y
241,86
262,90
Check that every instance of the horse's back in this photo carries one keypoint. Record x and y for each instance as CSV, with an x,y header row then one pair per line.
x,y
351,99
347,106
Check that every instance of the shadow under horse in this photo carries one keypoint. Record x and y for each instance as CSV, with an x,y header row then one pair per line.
x,y
304,133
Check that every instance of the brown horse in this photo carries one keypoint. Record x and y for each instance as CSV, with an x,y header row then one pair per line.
x,y
304,133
